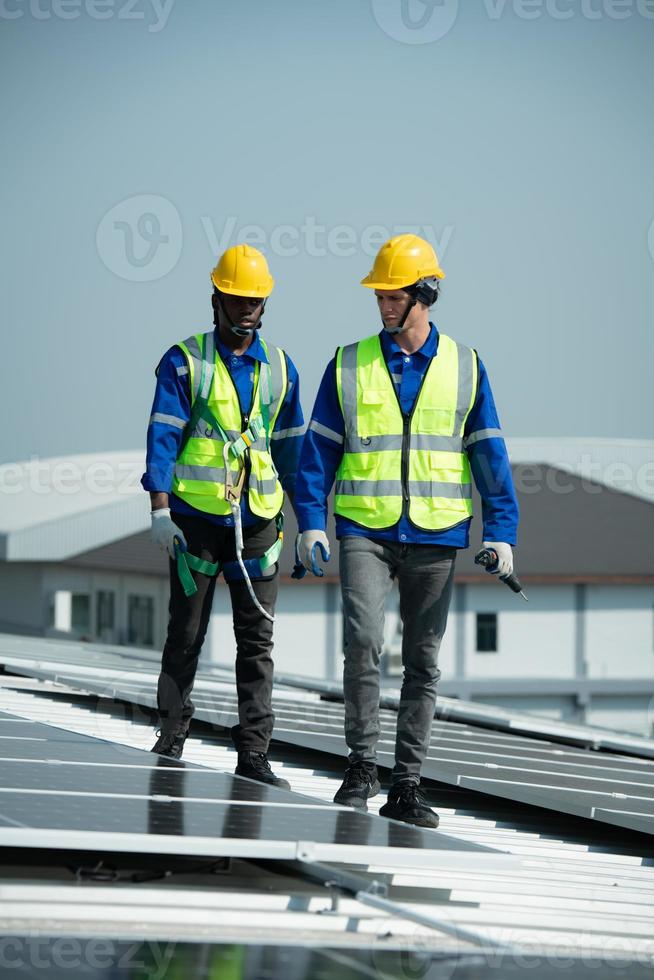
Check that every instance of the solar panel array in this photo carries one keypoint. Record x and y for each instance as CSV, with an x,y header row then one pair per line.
x,y
576,890
62,789
609,787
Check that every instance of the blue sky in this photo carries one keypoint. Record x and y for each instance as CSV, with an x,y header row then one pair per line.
x,y
517,138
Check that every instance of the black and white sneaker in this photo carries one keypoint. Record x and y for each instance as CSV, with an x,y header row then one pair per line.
x,y
255,765
406,803
359,784
170,744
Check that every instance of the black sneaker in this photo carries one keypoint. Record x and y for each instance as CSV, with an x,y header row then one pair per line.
x,y
170,744
406,802
359,784
255,765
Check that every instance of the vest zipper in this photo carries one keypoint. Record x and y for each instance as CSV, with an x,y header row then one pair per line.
x,y
406,434
406,443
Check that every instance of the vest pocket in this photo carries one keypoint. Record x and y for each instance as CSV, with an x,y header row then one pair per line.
x,y
436,421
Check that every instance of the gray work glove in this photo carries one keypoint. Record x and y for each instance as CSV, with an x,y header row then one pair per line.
x,y
164,531
308,545
504,557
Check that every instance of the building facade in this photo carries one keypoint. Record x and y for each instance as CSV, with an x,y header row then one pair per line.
x,y
581,649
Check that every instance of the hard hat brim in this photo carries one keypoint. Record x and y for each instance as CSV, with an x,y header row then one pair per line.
x,y
261,293
371,284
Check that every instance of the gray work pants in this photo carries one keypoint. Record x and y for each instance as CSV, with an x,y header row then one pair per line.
x,y
425,576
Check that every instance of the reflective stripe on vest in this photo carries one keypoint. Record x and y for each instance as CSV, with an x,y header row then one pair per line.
x,y
199,476
391,461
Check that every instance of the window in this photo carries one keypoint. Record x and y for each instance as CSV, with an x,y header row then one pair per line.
x,y
140,620
486,632
105,612
80,615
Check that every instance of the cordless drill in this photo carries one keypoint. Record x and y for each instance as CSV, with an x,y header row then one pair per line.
x,y
488,558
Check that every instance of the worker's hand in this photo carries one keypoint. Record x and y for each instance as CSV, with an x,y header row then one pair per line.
x,y
309,543
165,531
504,557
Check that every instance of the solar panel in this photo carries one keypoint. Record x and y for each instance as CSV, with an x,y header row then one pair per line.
x,y
492,716
21,652
607,787
59,789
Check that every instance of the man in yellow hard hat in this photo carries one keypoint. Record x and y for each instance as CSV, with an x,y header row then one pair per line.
x,y
402,422
223,446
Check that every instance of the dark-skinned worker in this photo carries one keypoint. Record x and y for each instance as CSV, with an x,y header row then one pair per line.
x,y
402,422
223,447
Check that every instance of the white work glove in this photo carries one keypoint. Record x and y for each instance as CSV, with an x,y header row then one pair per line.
x,y
308,545
504,557
164,531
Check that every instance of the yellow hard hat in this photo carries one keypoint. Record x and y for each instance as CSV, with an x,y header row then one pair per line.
x,y
243,271
402,261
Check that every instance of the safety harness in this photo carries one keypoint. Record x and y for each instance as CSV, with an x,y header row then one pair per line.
x,y
239,570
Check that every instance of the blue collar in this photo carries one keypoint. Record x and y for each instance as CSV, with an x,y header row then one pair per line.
x,y
254,351
390,347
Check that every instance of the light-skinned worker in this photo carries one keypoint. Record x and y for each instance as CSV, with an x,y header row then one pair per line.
x,y
402,422
223,446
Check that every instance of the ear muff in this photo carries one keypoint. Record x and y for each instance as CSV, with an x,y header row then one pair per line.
x,y
425,291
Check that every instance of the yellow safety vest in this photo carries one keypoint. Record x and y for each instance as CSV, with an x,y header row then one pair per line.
x,y
199,476
393,462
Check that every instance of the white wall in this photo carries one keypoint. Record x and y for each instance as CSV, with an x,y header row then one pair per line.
x,y
63,577
301,634
620,631
535,638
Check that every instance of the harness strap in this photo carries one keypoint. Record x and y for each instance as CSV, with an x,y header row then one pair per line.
x,y
232,570
245,440
185,562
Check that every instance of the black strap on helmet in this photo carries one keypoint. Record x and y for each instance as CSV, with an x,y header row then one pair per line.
x,y
424,291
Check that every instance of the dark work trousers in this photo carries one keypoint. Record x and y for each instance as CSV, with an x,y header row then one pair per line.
x,y
187,627
425,575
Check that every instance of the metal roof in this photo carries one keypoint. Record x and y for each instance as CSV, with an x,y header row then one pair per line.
x,y
60,506
558,537
579,896
92,510
625,465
